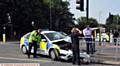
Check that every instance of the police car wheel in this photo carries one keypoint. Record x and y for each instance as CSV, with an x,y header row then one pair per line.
x,y
24,50
53,54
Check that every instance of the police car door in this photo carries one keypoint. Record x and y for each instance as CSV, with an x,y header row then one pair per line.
x,y
43,45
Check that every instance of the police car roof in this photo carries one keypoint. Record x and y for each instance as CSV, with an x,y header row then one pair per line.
x,y
47,31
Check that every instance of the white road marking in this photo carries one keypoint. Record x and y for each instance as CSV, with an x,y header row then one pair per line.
x,y
37,60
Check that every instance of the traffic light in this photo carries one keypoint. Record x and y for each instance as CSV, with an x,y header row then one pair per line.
x,y
81,5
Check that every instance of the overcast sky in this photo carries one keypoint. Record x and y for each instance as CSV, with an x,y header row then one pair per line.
x,y
99,9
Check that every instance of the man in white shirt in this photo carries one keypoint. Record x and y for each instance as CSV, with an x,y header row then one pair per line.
x,y
87,32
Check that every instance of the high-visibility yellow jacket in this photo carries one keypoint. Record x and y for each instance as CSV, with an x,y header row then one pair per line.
x,y
107,37
34,37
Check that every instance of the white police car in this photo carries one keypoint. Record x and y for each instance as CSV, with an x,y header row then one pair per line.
x,y
53,44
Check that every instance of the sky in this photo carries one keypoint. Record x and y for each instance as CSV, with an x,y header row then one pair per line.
x,y
98,9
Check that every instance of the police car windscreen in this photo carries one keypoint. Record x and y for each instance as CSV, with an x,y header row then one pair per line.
x,y
55,36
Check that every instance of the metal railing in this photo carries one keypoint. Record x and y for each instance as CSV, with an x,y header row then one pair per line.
x,y
104,49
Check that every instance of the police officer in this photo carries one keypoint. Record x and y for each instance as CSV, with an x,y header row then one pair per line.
x,y
34,39
115,36
75,45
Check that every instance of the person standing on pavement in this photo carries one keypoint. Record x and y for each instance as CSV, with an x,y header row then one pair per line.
x,y
34,39
115,36
75,33
87,32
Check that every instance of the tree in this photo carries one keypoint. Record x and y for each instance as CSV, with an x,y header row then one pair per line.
x,y
83,22
23,12
60,14
113,22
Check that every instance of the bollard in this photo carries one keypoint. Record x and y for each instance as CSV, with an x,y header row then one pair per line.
x,y
107,46
4,38
100,46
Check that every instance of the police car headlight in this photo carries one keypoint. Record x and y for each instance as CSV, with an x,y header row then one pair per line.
x,y
70,52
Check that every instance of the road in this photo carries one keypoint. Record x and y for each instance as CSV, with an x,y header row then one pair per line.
x,y
10,53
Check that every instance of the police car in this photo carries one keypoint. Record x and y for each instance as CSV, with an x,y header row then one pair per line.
x,y
53,44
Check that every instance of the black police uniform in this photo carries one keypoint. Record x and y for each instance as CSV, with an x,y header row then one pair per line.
x,y
75,48
115,36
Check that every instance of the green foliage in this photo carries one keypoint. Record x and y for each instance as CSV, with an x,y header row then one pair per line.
x,y
83,22
23,12
113,22
60,15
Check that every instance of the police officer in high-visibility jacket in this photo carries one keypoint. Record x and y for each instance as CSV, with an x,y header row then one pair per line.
x,y
34,39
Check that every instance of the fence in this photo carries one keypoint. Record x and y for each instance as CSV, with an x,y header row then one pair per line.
x,y
105,50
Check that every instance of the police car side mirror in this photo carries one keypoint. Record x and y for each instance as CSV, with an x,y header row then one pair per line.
x,y
44,40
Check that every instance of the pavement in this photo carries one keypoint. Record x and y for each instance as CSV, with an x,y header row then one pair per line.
x,y
106,54
9,42
104,60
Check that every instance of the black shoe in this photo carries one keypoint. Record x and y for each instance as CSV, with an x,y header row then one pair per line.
x,y
73,63
35,57
95,50
29,57
79,64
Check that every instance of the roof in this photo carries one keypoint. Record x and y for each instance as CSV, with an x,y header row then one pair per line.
x,y
47,31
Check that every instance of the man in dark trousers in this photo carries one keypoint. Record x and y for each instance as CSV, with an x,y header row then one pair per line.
x,y
115,36
34,39
75,45
87,32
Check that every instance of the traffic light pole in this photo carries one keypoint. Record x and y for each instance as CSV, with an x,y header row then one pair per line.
x,y
87,10
87,16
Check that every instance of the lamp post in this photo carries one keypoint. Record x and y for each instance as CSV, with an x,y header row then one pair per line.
x,y
33,23
11,26
4,37
4,28
50,25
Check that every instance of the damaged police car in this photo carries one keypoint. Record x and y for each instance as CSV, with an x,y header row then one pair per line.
x,y
53,44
